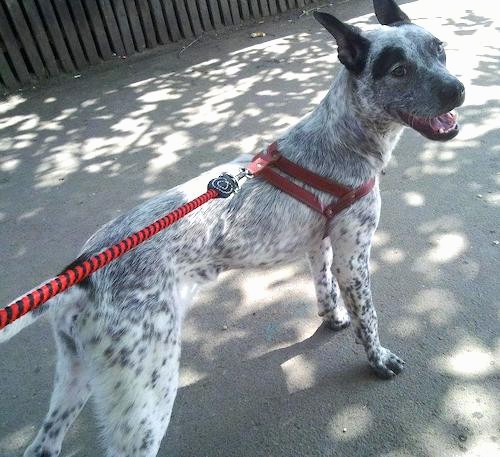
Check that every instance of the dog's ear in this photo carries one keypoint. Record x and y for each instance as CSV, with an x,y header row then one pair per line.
x,y
352,46
388,12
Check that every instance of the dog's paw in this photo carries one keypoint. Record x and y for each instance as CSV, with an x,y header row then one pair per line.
x,y
386,364
337,319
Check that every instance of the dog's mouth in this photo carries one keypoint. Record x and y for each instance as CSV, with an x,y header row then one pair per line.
x,y
440,128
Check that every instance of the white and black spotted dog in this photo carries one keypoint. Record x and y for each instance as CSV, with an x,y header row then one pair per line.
x,y
118,334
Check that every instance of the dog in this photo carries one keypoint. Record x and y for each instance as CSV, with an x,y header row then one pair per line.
x,y
118,334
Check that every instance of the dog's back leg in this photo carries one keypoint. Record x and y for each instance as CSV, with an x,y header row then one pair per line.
x,y
134,378
70,393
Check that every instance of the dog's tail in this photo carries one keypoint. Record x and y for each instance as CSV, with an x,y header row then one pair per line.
x,y
13,329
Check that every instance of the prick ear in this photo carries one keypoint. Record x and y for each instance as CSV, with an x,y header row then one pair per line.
x,y
388,12
352,46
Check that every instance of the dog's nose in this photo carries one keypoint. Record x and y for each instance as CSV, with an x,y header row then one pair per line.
x,y
461,95
453,92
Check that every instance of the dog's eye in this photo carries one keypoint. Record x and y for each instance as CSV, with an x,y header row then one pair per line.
x,y
439,47
399,71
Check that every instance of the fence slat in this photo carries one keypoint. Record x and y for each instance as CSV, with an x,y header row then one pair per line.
x,y
215,14
97,26
11,45
171,18
112,29
135,25
7,76
193,15
244,9
24,34
226,12
40,36
182,16
301,3
254,9
159,21
121,19
147,24
69,31
83,29
56,37
264,8
273,9
204,15
235,12
291,4
282,5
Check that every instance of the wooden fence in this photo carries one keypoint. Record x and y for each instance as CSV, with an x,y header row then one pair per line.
x,y
42,38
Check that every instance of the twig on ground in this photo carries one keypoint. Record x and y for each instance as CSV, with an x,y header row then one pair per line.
x,y
190,44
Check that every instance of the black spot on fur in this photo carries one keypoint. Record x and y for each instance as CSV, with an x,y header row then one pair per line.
x,y
147,440
95,340
154,377
389,56
40,310
125,356
47,426
69,343
128,409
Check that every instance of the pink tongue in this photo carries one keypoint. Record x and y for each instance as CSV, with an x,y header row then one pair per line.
x,y
445,121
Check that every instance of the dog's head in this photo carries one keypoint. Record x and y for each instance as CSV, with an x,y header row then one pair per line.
x,y
400,71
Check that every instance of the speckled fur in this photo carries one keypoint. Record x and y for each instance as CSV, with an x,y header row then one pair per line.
x,y
118,335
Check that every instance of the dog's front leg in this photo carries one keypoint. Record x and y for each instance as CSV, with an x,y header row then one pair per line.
x,y
350,264
330,306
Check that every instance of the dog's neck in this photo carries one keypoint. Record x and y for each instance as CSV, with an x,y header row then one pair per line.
x,y
340,139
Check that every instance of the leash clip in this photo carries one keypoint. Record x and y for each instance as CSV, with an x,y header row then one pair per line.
x,y
244,173
227,185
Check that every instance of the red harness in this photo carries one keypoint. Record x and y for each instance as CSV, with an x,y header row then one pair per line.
x,y
265,165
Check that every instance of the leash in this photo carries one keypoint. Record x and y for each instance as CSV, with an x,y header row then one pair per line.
x,y
221,187
264,165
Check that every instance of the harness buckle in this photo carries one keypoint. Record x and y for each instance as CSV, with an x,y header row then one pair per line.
x,y
349,197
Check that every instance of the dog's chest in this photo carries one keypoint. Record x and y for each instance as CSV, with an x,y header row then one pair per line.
x,y
264,228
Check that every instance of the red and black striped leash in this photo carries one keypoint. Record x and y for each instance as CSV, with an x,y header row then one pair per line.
x,y
221,187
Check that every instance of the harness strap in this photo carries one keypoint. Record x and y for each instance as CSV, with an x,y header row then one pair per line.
x,y
308,177
292,189
265,165
349,198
